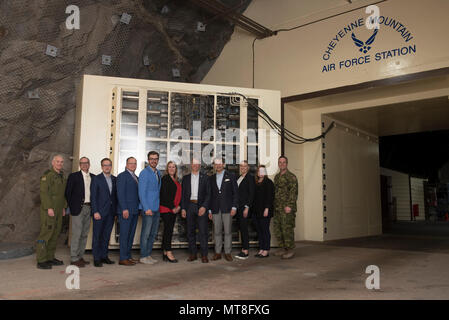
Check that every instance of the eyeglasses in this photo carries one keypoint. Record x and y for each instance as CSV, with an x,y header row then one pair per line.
x,y
106,165
84,162
153,159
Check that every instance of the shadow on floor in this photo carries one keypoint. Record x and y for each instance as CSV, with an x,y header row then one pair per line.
x,y
419,236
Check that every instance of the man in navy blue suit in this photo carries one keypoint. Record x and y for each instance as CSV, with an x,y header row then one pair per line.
x,y
223,206
77,194
128,210
103,198
194,203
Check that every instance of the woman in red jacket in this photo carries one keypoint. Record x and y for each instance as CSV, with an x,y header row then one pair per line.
x,y
170,198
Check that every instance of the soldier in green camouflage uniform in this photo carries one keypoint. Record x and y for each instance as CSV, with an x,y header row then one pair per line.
x,y
53,204
285,197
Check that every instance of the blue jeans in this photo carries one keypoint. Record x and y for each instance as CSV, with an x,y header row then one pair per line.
x,y
150,226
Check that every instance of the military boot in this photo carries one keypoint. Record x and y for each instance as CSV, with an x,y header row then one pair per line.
x,y
288,254
280,252
43,265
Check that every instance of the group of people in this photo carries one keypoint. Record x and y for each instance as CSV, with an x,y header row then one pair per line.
x,y
198,199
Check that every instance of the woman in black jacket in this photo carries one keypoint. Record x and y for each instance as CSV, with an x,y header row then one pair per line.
x,y
263,210
170,198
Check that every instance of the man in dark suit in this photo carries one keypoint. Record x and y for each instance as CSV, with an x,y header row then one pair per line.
x,y
103,198
223,206
77,193
128,210
247,186
194,203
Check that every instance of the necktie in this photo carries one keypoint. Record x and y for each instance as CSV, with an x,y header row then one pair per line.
x,y
135,177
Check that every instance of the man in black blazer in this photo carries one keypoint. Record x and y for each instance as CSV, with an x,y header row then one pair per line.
x,y
223,206
194,203
77,193
247,186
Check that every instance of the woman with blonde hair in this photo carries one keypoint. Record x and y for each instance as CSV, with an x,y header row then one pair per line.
x,y
170,198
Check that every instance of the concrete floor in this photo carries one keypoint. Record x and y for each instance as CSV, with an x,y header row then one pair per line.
x,y
411,267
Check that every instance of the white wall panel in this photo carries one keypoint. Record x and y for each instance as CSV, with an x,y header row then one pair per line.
x,y
417,185
401,191
352,184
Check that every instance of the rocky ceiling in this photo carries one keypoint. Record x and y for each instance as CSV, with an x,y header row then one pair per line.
x,y
37,87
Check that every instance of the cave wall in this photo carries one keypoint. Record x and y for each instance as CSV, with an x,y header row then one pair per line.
x,y
37,91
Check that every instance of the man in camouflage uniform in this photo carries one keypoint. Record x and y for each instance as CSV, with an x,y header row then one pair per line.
x,y
53,204
285,196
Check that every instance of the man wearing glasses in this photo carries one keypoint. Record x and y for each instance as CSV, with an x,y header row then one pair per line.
x,y
103,199
77,194
149,188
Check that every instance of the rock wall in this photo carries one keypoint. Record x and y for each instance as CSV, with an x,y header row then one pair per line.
x,y
37,91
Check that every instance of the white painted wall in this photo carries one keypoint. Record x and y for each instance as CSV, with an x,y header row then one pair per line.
x,y
401,191
417,185
293,119
292,62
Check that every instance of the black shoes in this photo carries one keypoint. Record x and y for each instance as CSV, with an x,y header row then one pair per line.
x,y
98,263
166,258
49,264
55,262
242,256
44,265
107,261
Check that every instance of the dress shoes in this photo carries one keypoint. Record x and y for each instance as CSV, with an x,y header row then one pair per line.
x,y
98,264
166,258
55,262
216,257
228,257
79,263
134,260
44,265
192,258
84,261
126,263
107,261
204,259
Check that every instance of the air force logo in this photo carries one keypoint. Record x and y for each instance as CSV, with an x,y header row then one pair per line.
x,y
364,46
366,55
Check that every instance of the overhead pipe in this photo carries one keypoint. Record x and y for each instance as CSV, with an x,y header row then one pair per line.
x,y
242,21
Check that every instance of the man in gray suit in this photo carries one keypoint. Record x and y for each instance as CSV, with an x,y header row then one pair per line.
x,y
223,206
